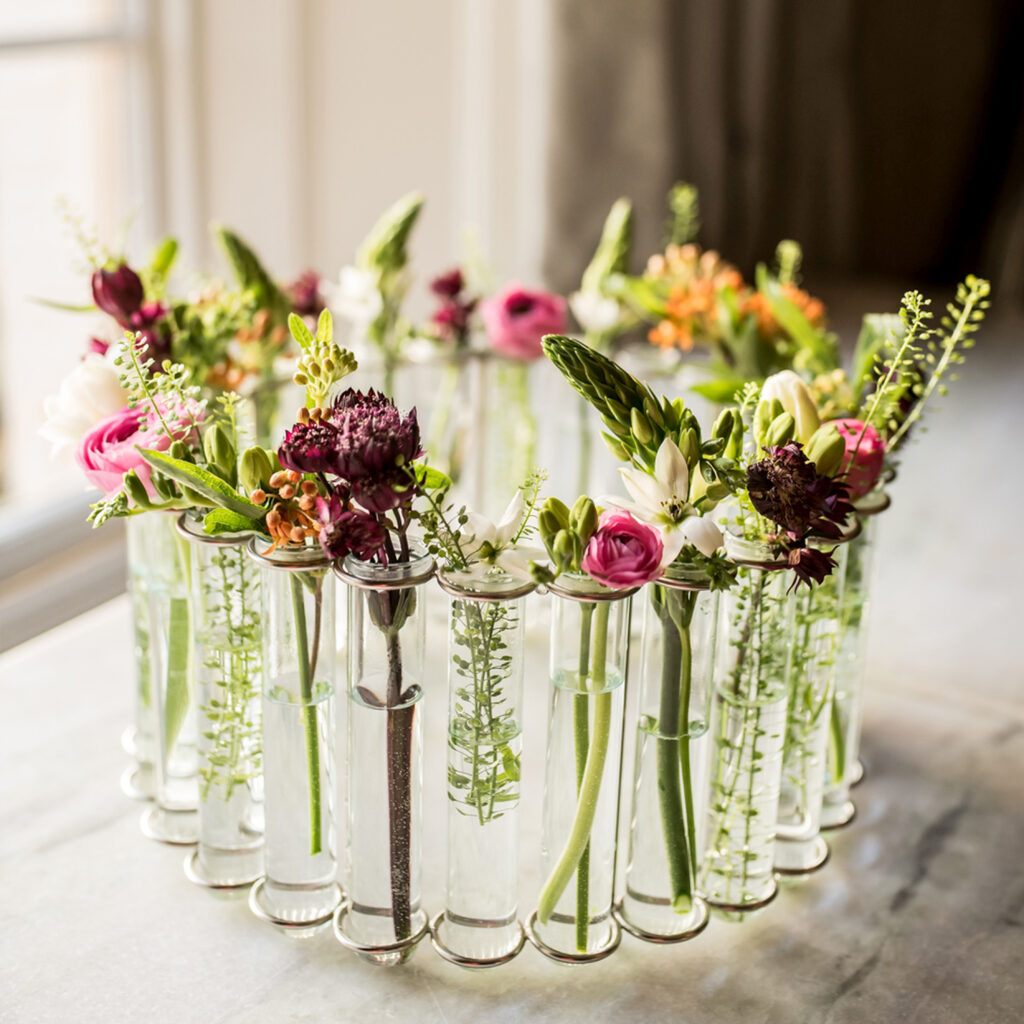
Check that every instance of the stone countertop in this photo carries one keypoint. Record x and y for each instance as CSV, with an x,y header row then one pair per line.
x,y
918,917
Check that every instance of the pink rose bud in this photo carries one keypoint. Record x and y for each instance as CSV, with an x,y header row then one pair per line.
x,y
623,552
110,449
516,320
864,456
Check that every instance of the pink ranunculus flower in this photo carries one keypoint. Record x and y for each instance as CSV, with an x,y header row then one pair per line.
x,y
517,319
623,552
863,458
110,448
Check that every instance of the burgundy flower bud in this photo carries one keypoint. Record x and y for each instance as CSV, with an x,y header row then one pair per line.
x,y
810,564
119,293
448,285
309,447
304,293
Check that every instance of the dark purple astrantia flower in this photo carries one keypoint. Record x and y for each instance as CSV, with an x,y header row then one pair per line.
x,y
310,447
375,447
346,531
786,488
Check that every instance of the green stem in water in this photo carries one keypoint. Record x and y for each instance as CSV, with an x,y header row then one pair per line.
x,y
178,693
589,788
309,715
581,744
837,748
675,796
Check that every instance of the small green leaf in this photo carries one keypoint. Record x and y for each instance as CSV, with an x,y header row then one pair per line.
x,y
223,520
430,479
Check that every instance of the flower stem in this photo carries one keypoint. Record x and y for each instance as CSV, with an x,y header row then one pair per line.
x,y
675,797
399,756
589,790
309,716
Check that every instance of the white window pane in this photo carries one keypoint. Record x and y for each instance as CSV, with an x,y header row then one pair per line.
x,y
19,20
65,134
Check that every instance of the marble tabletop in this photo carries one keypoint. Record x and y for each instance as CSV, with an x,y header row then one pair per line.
x,y
918,917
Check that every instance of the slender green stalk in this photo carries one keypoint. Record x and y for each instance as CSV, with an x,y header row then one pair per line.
x,y
309,716
178,694
589,789
675,791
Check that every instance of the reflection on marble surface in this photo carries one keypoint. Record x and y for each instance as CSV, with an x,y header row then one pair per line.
x,y
919,916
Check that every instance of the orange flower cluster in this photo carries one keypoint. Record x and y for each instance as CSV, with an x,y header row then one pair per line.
x,y
767,326
248,355
292,519
696,278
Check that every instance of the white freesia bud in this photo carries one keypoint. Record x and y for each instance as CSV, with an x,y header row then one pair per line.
x,y
594,311
796,399
89,393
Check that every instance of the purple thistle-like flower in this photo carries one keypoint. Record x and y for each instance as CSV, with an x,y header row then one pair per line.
x,y
347,531
810,565
374,449
786,488
310,447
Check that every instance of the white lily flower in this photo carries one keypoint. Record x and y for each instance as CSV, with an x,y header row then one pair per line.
x,y
594,311
661,499
356,296
89,393
491,544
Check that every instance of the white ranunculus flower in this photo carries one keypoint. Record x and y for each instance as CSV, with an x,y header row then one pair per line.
x,y
789,388
594,311
356,297
89,393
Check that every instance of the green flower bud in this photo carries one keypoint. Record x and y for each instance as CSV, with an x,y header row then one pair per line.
x,y
688,446
826,449
781,430
254,469
616,447
559,510
220,453
136,490
724,424
640,426
762,420
563,550
179,450
653,412
583,518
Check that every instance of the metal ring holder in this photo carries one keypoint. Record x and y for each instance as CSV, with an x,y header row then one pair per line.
x,y
847,812
391,954
573,958
468,961
743,908
194,875
590,596
293,927
131,786
823,854
151,832
656,937
479,595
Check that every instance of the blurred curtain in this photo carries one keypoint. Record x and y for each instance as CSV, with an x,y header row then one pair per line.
x,y
884,137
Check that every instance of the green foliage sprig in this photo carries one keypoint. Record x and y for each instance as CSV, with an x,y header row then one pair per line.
x,y
684,209
322,363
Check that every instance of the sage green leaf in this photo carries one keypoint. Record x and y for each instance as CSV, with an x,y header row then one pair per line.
x,y
203,482
300,332
223,520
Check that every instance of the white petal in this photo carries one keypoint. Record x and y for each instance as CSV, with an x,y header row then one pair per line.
x,y
508,525
702,533
614,501
594,311
671,470
673,541
476,531
516,561
643,489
